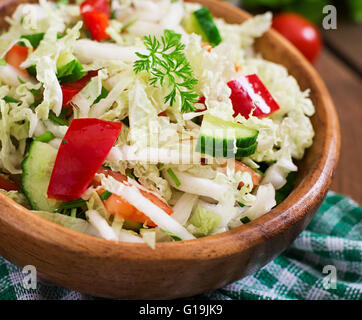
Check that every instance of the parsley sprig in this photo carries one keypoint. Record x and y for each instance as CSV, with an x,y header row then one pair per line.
x,y
168,65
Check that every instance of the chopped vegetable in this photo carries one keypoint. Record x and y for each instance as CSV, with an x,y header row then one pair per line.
x,y
72,204
88,143
45,137
59,120
11,100
70,89
105,195
249,96
34,39
173,236
37,169
96,14
221,138
245,220
239,166
16,56
283,192
206,221
7,184
201,22
173,177
118,206
70,71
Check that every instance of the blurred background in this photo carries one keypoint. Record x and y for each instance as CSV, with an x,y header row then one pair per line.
x,y
337,56
311,9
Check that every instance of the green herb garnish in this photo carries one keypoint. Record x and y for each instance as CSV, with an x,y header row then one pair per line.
x,y
2,62
21,80
34,39
35,92
104,94
73,212
173,236
60,120
72,204
168,65
173,177
45,137
11,100
70,72
284,191
245,220
32,70
105,195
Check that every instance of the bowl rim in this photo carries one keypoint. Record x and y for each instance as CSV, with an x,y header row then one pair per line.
x,y
304,197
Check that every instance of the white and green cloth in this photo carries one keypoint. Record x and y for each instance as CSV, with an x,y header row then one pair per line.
x,y
331,242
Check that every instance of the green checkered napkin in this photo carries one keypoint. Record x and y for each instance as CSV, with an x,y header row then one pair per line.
x,y
331,242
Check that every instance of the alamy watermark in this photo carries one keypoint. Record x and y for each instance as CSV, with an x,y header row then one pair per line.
x,y
30,279
330,280
330,20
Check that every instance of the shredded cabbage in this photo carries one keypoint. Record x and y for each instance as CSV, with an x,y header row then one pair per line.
x,y
157,144
203,221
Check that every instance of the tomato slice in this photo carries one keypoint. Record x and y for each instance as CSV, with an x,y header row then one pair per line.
x,y
16,56
118,206
239,166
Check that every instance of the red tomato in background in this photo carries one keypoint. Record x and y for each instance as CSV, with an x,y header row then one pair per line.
x,y
301,32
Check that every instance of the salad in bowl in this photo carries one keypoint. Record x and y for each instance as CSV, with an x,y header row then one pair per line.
x,y
145,120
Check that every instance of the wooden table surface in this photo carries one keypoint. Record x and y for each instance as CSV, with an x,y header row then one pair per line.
x,y
340,66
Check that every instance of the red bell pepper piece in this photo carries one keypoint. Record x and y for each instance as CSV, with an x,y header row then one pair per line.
x,y
16,56
96,5
7,184
202,101
248,93
84,148
70,89
96,14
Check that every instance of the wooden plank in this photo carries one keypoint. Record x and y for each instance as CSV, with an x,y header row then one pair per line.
x,y
346,40
345,87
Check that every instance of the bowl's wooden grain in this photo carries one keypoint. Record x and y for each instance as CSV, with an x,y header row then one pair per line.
x,y
123,270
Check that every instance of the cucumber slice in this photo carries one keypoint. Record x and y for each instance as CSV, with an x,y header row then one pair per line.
x,y
37,170
69,69
220,138
202,23
246,152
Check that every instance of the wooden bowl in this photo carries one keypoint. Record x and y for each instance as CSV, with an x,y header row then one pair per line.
x,y
180,269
